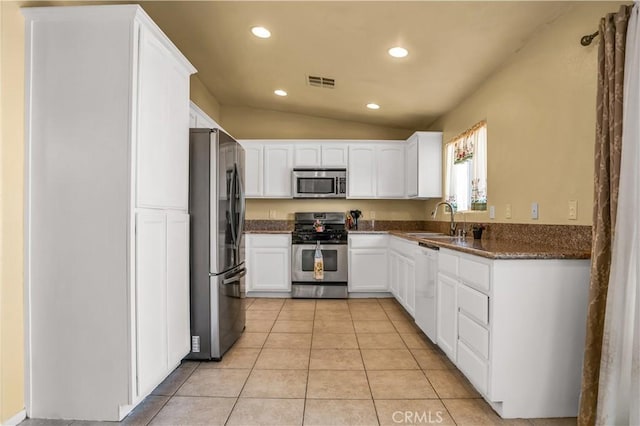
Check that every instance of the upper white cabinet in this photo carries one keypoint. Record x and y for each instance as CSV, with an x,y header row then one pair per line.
x,y
268,169
163,123
390,170
319,153
107,127
278,162
424,165
361,173
376,170
199,119
334,154
307,155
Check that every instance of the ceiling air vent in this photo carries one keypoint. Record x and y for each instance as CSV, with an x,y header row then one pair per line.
x,y
327,83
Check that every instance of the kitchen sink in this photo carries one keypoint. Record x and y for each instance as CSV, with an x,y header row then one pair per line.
x,y
427,234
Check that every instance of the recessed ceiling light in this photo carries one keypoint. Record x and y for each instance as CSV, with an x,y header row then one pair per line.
x,y
261,32
373,106
398,52
280,92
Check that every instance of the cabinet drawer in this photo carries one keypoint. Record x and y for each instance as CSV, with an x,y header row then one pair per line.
x,y
368,241
476,370
475,273
269,241
447,263
474,335
473,303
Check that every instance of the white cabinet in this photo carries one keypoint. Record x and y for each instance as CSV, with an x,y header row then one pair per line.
x,y
163,123
402,276
106,208
495,318
199,119
368,259
361,173
268,263
151,314
278,162
254,166
319,153
334,154
390,171
447,315
307,155
178,322
268,169
424,165
376,170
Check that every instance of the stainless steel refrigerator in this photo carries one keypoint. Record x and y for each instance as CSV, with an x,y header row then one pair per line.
x,y
216,206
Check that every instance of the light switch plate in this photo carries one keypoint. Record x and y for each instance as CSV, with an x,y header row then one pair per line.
x,y
573,209
534,210
507,212
492,212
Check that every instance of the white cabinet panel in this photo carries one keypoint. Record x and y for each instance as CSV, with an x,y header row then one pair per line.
x,y
474,303
163,123
268,263
178,322
390,170
475,336
151,299
447,330
362,178
368,270
473,367
307,155
424,165
278,162
253,178
334,155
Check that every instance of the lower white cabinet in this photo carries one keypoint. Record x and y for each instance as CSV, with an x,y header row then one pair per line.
x,y
516,329
268,262
368,263
446,307
162,295
402,272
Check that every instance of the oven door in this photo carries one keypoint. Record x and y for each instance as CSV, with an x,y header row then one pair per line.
x,y
333,255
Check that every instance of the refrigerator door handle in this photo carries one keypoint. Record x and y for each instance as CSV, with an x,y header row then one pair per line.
x,y
242,207
232,204
235,278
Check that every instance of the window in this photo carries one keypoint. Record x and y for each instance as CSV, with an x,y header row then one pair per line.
x,y
466,169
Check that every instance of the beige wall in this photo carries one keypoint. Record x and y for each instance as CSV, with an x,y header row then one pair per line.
x,y
11,213
253,123
381,209
202,97
540,112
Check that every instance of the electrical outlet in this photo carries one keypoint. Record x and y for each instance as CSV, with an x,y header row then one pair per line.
x,y
272,214
573,209
507,212
492,212
373,215
534,210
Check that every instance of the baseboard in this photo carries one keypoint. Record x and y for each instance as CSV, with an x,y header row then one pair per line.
x,y
15,420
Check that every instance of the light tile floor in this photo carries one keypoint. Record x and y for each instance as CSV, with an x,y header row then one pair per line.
x,y
320,362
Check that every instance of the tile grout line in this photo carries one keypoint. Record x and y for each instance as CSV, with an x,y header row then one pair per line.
x,y
366,373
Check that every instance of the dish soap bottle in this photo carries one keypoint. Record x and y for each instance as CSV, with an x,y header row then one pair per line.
x,y
318,263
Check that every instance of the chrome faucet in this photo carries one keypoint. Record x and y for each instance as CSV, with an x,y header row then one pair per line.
x,y
452,226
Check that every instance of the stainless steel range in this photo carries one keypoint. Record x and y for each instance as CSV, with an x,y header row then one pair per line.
x,y
329,230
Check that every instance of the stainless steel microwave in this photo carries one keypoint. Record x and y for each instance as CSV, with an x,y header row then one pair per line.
x,y
319,183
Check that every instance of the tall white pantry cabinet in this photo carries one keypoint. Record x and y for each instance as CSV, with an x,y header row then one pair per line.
x,y
107,225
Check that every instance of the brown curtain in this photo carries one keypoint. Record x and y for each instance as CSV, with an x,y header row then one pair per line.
x,y
613,31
